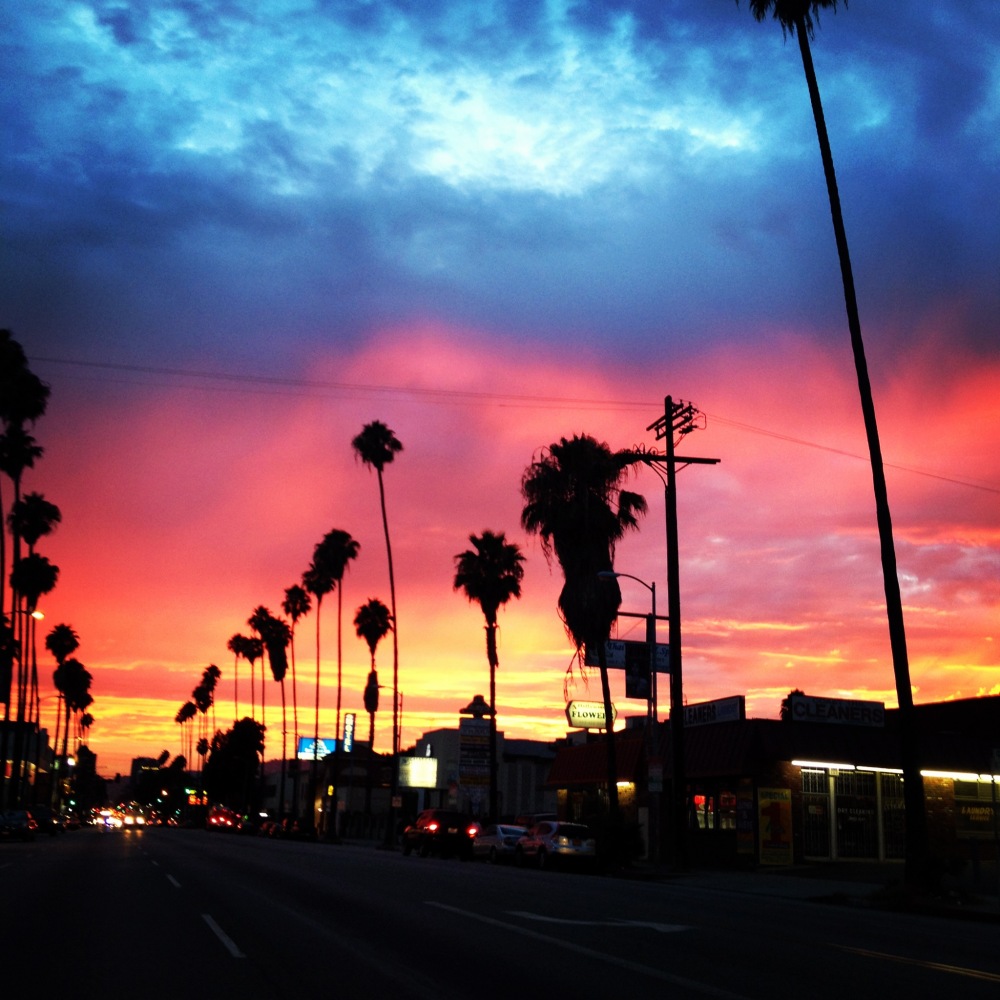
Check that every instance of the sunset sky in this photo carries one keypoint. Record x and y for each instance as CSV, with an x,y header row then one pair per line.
x,y
234,233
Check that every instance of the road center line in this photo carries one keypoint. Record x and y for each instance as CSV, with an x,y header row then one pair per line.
x,y
955,970
229,943
617,922
173,882
622,963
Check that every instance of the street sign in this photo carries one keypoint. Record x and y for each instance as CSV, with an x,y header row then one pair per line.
x,y
618,652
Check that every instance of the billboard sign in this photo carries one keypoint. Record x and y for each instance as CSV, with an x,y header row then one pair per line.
x,y
308,748
418,772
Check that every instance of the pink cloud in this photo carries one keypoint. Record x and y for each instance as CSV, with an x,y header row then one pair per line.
x,y
185,508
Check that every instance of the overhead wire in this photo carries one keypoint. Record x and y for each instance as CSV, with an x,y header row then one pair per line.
x,y
243,381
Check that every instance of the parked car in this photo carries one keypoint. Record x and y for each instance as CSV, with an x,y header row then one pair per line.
x,y
553,842
497,842
17,824
444,832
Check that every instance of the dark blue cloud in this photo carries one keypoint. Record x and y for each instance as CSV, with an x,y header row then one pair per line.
x,y
195,176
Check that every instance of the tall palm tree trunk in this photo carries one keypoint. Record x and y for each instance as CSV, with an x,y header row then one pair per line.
x,y
915,819
613,812
338,734
390,833
491,656
295,726
314,772
371,756
284,751
395,640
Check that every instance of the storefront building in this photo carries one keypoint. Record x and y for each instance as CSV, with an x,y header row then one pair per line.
x,y
822,784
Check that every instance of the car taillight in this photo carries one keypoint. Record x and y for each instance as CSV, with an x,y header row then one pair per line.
x,y
473,831
432,826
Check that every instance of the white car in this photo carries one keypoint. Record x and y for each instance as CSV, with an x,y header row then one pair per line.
x,y
497,842
554,842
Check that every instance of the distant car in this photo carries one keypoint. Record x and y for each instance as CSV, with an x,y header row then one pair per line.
x,y
553,842
48,820
221,818
133,819
17,824
444,832
497,842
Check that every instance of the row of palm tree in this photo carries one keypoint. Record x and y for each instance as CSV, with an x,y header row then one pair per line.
x,y
202,699
272,637
23,401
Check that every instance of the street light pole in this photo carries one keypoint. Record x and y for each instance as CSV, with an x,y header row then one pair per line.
x,y
652,711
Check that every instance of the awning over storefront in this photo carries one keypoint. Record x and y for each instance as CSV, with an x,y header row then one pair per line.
x,y
587,764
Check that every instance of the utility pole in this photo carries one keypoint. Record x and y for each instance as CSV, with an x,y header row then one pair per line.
x,y
679,419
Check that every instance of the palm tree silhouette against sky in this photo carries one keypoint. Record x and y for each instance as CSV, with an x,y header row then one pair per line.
x,y
336,551
318,581
296,605
575,503
276,634
376,446
236,646
258,621
490,574
62,642
23,400
796,17
372,621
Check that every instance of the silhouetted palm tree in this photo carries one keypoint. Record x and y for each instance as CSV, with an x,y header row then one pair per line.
x,y
32,576
296,605
574,501
258,621
32,517
796,17
23,399
253,650
377,446
276,636
210,679
372,621
490,574
86,721
318,582
62,641
335,551
73,681
185,714
235,646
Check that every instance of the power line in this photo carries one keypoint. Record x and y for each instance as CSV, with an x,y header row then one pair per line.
x,y
260,383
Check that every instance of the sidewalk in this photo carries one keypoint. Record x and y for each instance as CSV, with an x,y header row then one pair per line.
x,y
878,885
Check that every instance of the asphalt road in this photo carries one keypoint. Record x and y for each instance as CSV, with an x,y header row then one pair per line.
x,y
169,913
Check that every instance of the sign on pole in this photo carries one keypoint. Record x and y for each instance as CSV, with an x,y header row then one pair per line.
x,y
589,714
